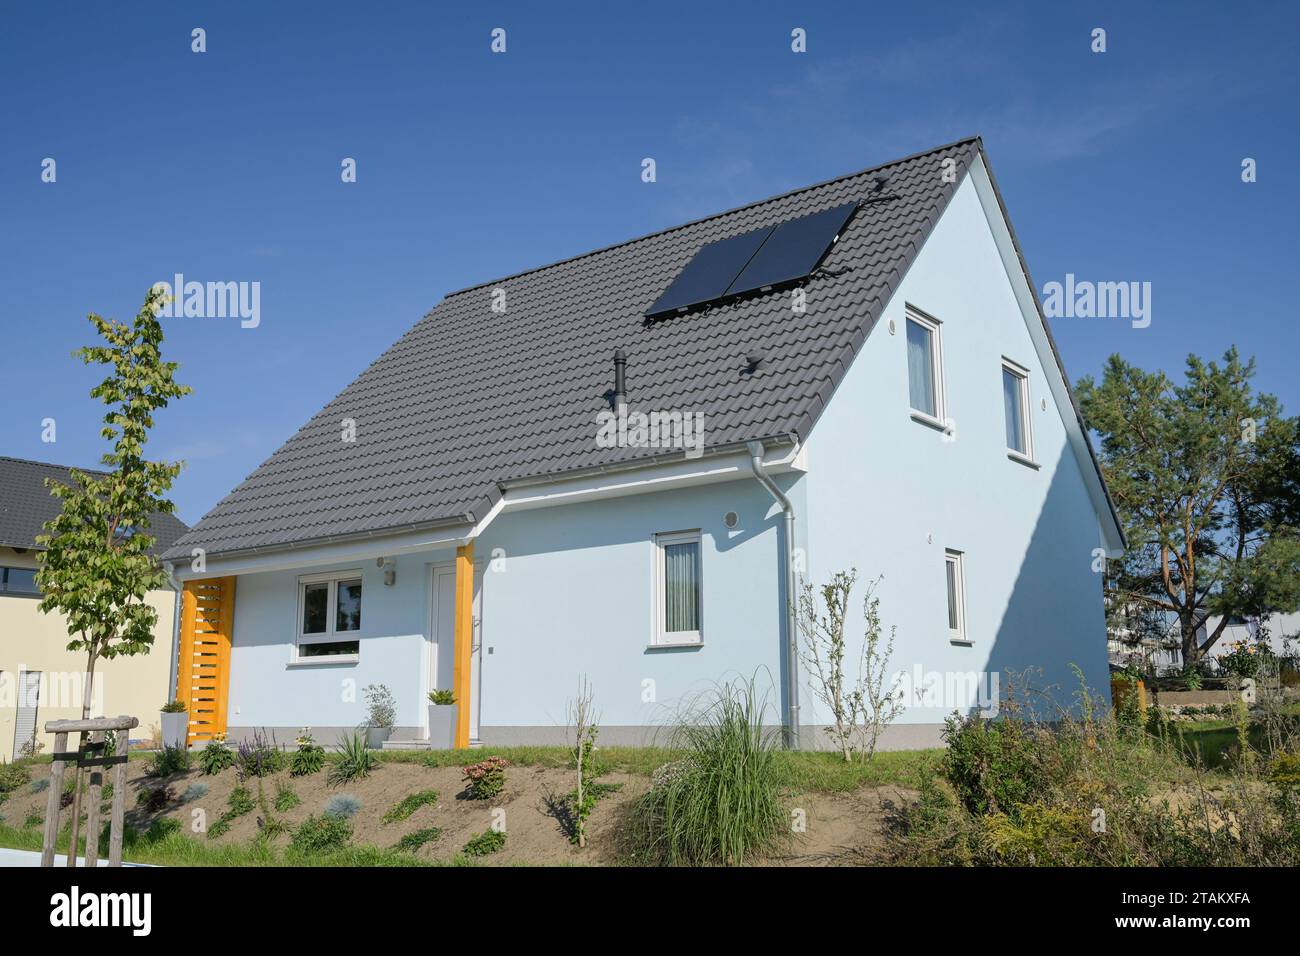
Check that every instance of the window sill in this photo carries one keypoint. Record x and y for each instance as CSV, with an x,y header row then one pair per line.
x,y
325,660
673,645
1023,459
929,421
961,642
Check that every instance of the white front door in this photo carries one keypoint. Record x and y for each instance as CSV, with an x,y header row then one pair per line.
x,y
442,650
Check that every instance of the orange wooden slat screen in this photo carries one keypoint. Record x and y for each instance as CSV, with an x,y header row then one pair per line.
x,y
203,670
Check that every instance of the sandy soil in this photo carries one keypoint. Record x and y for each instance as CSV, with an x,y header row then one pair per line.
x,y
839,829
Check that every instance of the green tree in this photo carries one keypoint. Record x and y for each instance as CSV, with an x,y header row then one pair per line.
x,y
96,568
1204,476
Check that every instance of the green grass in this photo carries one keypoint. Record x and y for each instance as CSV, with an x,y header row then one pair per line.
x,y
1213,738
408,805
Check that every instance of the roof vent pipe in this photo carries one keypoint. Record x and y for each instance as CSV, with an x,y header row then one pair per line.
x,y
620,378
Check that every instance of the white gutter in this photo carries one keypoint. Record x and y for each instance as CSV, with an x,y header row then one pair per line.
x,y
787,558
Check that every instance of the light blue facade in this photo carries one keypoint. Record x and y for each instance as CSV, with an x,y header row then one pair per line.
x,y
568,591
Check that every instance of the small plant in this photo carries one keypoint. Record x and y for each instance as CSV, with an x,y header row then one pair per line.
x,y
309,758
33,820
240,802
155,799
13,776
381,707
442,698
168,761
355,761
40,785
216,756
487,842
285,797
258,756
583,799
194,791
409,804
161,829
1192,678
486,779
218,828
321,834
413,841
342,805
174,707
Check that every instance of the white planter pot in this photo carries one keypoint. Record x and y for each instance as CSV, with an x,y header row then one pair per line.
x,y
442,726
375,737
175,728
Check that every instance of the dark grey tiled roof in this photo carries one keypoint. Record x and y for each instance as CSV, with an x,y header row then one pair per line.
x,y
26,504
470,398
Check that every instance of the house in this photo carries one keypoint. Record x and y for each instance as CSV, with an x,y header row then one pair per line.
x,y
615,466
40,679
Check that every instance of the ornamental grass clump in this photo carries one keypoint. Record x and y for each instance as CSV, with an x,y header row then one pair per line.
x,y
486,779
719,804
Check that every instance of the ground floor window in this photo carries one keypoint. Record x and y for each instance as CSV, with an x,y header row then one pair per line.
x,y
678,605
329,614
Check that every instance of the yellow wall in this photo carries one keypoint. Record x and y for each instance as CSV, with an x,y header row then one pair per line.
x,y
32,641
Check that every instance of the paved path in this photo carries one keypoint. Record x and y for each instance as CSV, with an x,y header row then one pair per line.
x,y
33,858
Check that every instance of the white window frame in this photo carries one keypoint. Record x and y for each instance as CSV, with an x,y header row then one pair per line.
x,y
660,636
329,635
1022,373
957,561
940,417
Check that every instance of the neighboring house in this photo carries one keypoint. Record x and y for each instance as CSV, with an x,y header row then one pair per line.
x,y
455,518
40,679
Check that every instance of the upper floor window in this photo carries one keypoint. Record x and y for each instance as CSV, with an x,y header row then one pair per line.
x,y
924,366
1015,404
678,604
329,609
18,581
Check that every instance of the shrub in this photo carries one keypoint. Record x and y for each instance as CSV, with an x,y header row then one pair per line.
x,y
215,757
168,761
13,776
381,707
321,834
33,820
413,841
992,764
258,756
161,829
355,761
194,791
174,707
239,802
721,804
408,805
487,842
342,805
309,758
155,799
486,779
285,797
442,697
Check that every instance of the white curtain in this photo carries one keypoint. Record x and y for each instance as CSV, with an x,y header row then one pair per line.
x,y
682,586
920,368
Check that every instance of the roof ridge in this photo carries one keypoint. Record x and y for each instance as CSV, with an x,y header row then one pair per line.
x,y
725,212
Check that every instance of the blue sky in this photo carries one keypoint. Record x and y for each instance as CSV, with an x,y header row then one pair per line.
x,y
472,165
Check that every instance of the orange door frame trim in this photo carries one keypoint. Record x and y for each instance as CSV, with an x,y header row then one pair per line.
x,y
463,639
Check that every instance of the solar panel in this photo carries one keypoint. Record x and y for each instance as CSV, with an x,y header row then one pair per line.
x,y
707,276
793,250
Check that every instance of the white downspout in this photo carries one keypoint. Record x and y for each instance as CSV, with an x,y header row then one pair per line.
x,y
791,645
176,631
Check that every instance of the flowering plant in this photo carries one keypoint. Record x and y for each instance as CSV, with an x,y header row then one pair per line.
x,y
486,778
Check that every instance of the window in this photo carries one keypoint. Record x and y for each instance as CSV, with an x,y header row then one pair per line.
x,y
677,589
956,581
924,368
18,581
329,611
1015,404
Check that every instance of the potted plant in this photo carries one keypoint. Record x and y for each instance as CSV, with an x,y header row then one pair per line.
x,y
442,720
381,715
175,724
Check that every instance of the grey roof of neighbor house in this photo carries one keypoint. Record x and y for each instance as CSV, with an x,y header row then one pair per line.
x,y
26,504
472,398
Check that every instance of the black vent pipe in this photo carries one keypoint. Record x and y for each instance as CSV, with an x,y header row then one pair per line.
x,y
620,378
